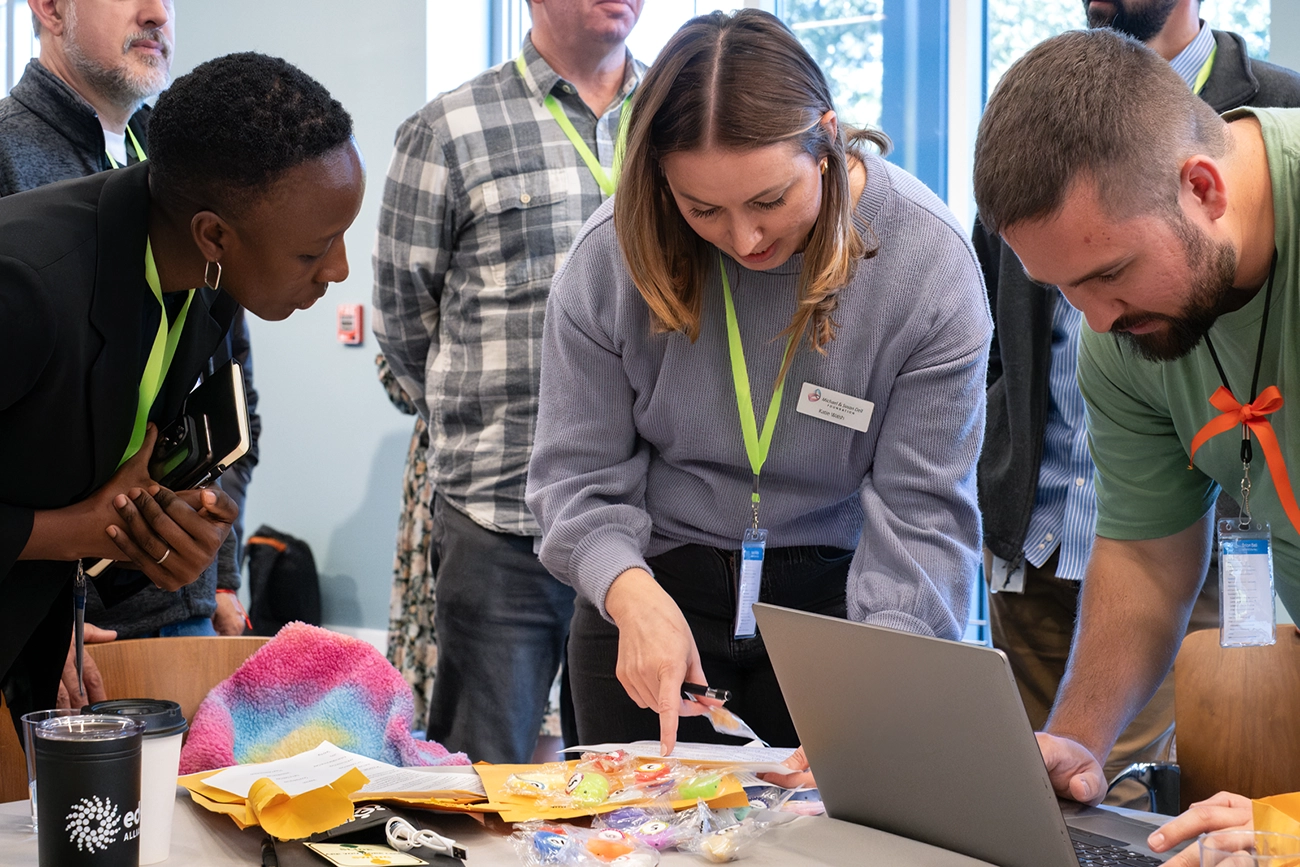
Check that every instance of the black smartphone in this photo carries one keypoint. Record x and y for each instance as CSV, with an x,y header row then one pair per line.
x,y
200,444
183,447
210,434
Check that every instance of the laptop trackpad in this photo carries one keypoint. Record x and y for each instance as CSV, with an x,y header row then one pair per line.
x,y
1129,831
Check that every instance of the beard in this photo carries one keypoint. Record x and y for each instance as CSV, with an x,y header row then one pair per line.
x,y
1214,268
134,80
1142,23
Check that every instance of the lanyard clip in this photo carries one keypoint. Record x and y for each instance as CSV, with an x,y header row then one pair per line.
x,y
1243,517
1246,449
753,501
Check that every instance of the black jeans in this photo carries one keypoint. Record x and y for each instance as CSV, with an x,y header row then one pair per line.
x,y
702,581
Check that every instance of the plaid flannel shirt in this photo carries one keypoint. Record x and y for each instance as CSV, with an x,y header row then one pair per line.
x,y
484,196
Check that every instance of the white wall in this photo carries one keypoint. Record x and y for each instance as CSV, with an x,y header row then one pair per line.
x,y
332,446
457,34
1284,34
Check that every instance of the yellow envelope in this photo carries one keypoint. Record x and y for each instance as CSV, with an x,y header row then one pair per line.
x,y
1280,814
289,818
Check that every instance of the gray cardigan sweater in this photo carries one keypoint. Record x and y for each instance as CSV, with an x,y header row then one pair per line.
x,y
638,447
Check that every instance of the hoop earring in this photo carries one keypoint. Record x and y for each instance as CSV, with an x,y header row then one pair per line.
x,y
823,165
212,284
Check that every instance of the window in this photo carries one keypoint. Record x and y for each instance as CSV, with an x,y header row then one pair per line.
x,y
846,37
886,61
17,44
659,21
1015,26
1249,18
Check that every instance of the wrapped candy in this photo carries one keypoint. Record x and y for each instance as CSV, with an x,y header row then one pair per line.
x,y
537,784
701,786
721,836
541,844
588,788
611,763
649,772
654,826
552,845
610,844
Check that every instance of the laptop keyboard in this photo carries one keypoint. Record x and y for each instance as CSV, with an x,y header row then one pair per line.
x,y
1094,850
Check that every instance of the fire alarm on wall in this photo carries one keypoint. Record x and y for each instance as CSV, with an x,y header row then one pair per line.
x,y
350,324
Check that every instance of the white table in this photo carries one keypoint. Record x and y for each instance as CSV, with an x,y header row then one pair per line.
x,y
203,838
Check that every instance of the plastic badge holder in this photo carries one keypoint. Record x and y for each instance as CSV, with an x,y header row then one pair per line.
x,y
1247,611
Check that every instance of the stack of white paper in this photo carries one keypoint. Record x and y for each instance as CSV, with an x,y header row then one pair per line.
x,y
326,763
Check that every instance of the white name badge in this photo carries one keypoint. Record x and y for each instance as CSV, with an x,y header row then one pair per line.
x,y
835,406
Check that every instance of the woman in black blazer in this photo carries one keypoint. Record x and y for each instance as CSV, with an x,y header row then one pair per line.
x,y
252,179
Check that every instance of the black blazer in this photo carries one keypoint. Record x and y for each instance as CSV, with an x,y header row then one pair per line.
x,y
72,303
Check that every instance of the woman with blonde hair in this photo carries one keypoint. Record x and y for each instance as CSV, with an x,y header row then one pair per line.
x,y
754,239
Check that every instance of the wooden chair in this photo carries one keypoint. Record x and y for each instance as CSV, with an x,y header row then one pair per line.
x,y
180,669
1236,710
13,764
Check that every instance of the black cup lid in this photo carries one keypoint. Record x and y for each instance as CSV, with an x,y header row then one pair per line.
x,y
160,717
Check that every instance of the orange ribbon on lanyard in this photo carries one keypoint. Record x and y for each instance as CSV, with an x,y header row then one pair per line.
x,y
1253,416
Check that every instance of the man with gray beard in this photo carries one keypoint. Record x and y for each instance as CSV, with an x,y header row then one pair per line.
x,y
79,109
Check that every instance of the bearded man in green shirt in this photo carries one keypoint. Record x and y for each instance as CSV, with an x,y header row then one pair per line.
x,y
1164,224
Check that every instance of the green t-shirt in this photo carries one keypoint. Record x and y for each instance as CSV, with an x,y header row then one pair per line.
x,y
1142,415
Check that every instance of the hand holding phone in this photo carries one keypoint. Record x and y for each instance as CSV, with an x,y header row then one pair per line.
x,y
209,435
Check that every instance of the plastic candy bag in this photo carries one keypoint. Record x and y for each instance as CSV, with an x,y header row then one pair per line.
x,y
655,826
541,844
721,836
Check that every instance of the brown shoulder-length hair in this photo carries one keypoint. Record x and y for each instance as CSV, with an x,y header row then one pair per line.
x,y
734,81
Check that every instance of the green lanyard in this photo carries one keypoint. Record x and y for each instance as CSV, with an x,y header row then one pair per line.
x,y
139,151
607,180
1206,68
756,445
160,356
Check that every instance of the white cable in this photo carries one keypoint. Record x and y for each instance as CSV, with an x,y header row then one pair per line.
x,y
403,837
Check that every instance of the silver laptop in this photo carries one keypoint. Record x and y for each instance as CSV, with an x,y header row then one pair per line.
x,y
928,739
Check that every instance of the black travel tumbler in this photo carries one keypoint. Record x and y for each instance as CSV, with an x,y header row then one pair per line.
x,y
88,791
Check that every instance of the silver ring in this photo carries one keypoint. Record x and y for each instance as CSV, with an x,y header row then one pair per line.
x,y
167,554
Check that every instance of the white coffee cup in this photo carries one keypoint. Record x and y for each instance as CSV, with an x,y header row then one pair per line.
x,y
160,758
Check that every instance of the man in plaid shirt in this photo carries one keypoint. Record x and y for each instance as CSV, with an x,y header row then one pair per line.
x,y
486,191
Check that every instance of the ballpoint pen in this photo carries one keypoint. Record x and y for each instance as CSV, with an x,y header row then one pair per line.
x,y
691,689
79,623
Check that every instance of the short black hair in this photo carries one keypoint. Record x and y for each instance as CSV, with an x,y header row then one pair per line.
x,y
226,130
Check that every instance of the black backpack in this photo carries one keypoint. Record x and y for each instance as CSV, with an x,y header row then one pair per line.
x,y
282,582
